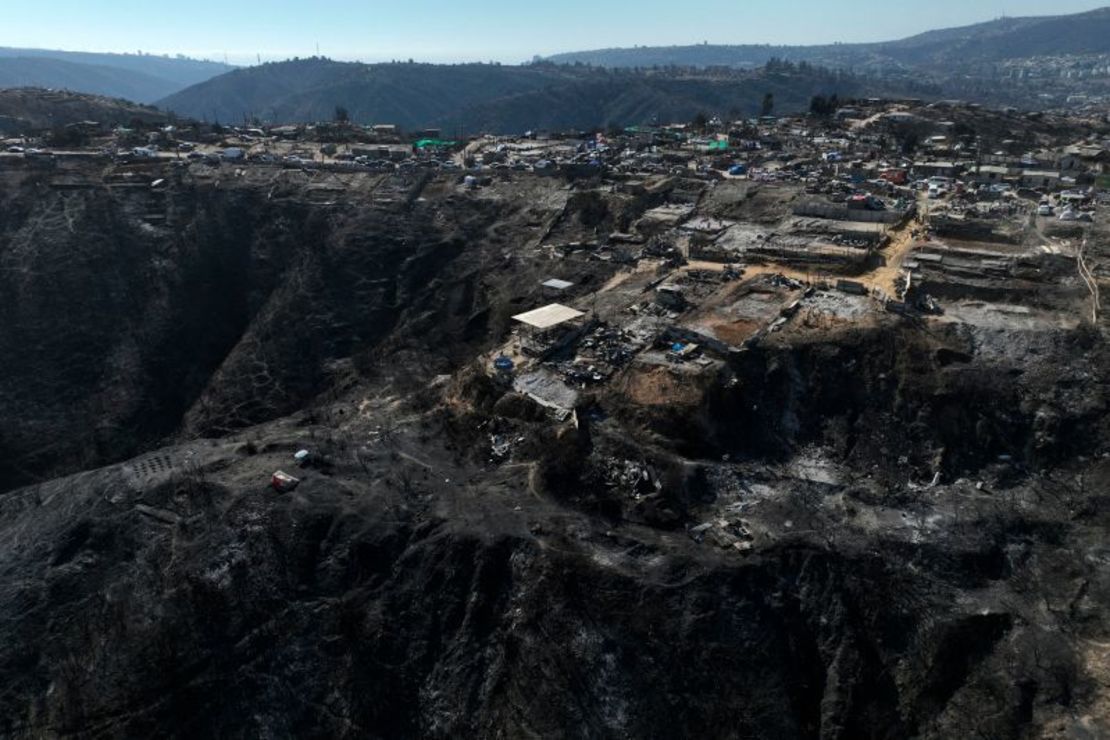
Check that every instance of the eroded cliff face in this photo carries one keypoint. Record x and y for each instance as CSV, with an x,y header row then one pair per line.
x,y
881,528
954,399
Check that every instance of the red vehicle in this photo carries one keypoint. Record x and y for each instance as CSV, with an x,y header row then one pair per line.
x,y
864,202
283,482
897,177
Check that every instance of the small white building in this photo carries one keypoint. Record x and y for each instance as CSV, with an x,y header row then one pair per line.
x,y
1043,179
989,174
548,317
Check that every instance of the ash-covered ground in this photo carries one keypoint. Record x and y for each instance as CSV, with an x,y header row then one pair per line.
x,y
736,498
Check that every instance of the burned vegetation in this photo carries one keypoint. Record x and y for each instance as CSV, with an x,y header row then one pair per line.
x,y
601,451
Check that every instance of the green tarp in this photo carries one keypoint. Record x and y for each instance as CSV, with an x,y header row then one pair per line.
x,y
425,143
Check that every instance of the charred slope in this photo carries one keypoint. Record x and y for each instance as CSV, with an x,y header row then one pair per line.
x,y
30,110
204,606
786,569
953,399
128,315
897,399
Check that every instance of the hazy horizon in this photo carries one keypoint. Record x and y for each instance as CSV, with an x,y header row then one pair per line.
x,y
496,30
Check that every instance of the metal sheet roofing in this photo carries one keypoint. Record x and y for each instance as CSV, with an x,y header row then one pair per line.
x,y
548,316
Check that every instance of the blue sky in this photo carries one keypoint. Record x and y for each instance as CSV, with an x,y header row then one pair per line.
x,y
445,30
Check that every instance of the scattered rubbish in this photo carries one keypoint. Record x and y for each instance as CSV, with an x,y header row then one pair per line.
x,y
636,479
682,351
781,281
927,304
697,534
283,482
501,446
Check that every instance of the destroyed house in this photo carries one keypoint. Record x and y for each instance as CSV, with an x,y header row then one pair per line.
x,y
1085,159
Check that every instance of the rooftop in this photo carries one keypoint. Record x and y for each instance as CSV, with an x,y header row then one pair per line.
x,y
548,316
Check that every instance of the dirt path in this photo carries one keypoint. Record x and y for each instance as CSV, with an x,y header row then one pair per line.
x,y
751,270
1090,280
888,277
1085,273
623,276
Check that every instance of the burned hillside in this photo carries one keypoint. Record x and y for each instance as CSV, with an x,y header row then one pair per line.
x,y
208,306
551,438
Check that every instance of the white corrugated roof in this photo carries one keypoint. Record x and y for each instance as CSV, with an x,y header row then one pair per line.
x,y
548,316
556,284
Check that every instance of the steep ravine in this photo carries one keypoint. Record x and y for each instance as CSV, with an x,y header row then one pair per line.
x,y
129,315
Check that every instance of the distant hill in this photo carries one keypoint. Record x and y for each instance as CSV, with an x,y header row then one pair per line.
x,y
310,90
1004,38
143,78
28,110
638,98
87,78
470,98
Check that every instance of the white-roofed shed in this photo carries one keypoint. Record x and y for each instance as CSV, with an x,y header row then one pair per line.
x,y
548,316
